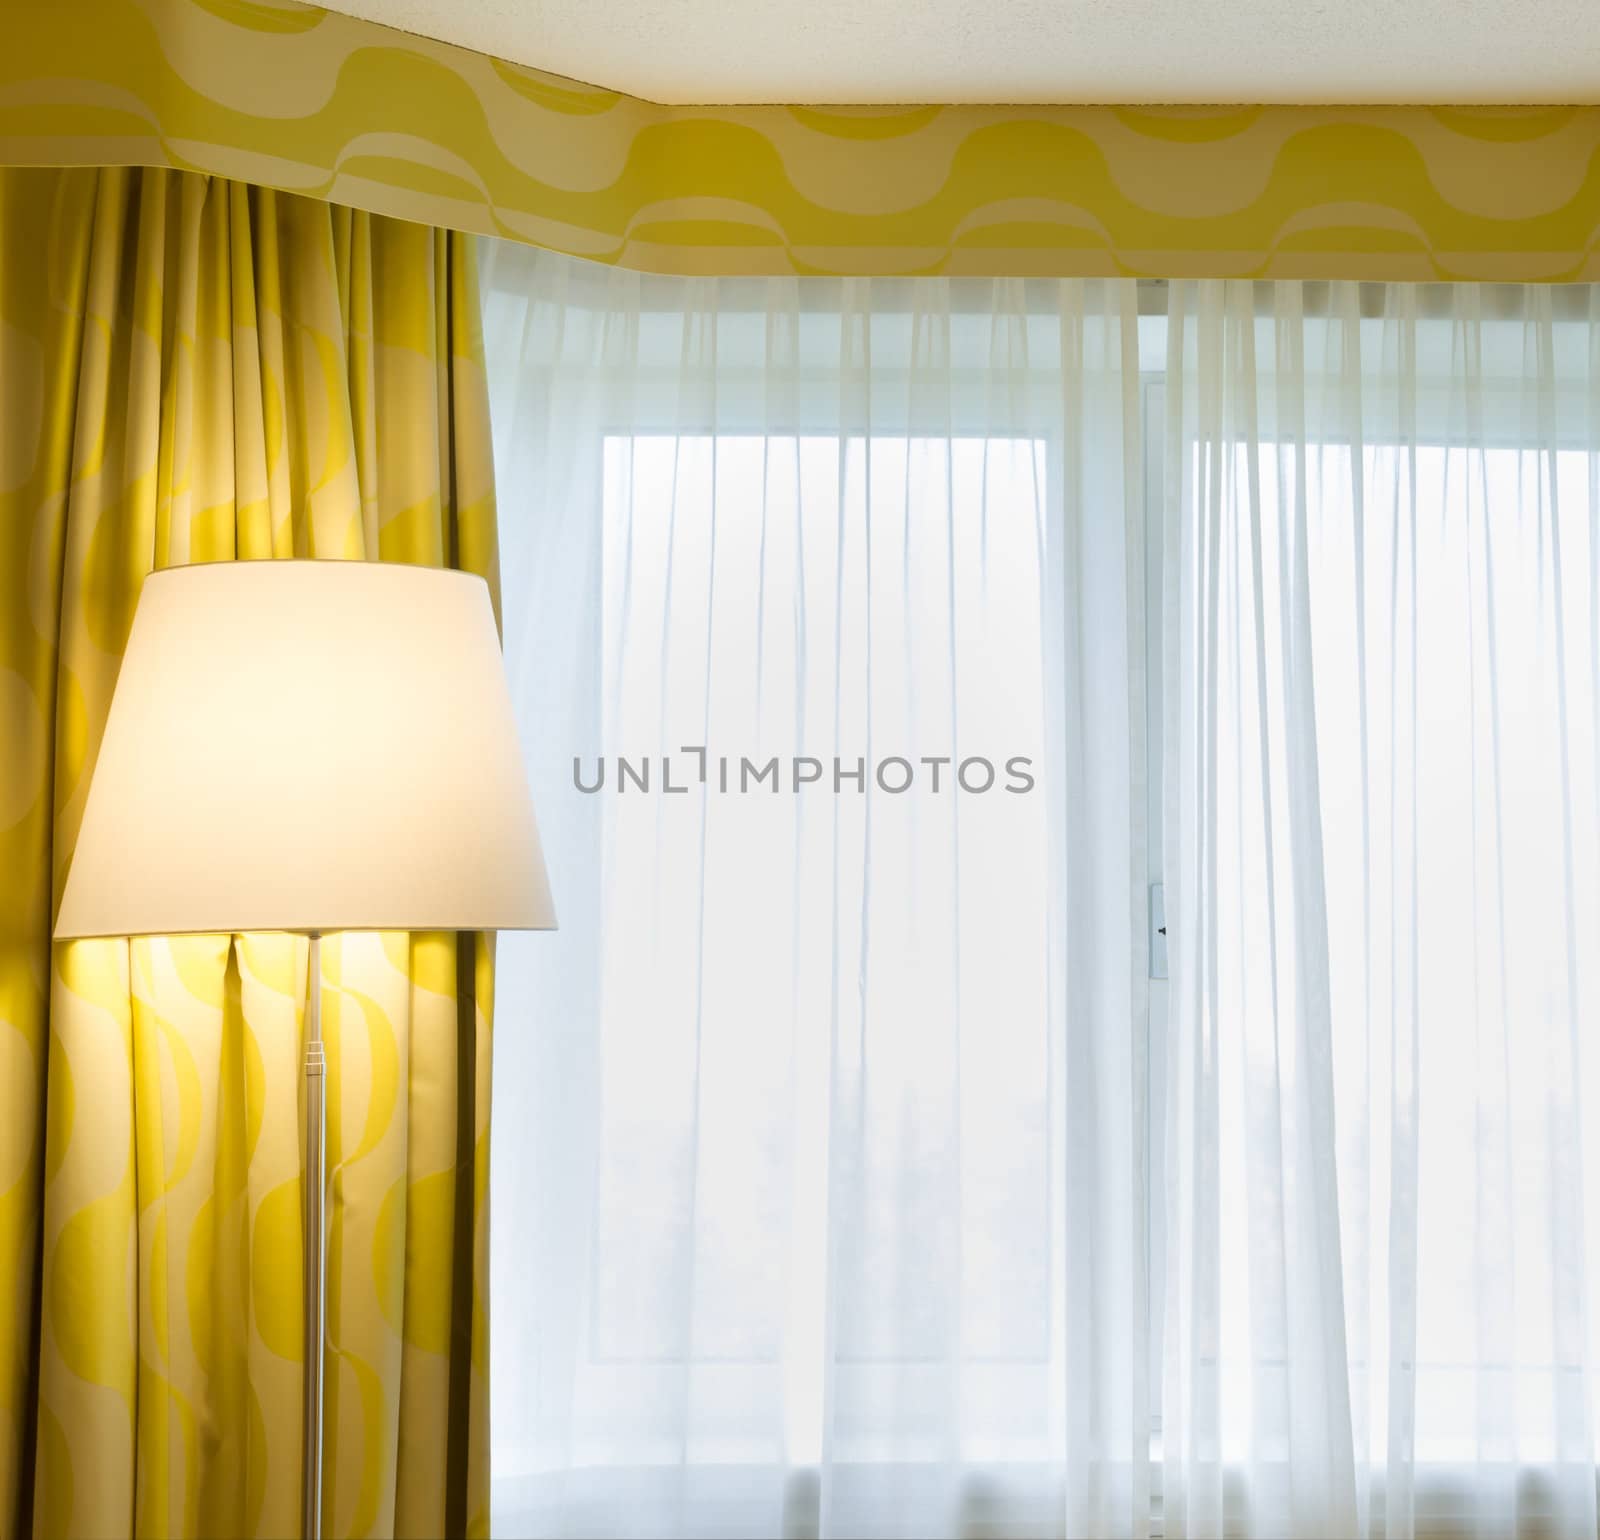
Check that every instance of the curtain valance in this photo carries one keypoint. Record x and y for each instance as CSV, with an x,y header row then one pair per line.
x,y
293,97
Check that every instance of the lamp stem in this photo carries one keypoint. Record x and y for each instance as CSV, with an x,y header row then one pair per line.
x,y
316,1068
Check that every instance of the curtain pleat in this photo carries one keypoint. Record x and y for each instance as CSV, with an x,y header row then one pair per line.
x,y
829,1195
1383,857
196,370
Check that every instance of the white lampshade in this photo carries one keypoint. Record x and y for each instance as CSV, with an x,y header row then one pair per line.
x,y
308,746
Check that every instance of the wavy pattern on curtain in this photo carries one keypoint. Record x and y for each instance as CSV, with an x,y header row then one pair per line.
x,y
193,370
294,97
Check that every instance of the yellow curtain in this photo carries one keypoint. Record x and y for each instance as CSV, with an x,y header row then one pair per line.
x,y
197,370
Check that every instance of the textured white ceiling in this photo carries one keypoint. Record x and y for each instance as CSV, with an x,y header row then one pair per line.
x,y
825,51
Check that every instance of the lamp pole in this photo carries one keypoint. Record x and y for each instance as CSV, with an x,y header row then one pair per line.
x,y
316,1071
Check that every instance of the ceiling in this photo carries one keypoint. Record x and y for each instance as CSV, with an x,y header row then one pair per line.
x,y
1133,51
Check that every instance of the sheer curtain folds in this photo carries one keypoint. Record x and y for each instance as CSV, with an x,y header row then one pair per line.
x,y
850,1144
823,1190
1382,638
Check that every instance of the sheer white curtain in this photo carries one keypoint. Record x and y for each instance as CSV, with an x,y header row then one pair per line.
x,y
1382,658
819,1135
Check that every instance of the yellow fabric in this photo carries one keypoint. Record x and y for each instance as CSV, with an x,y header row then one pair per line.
x,y
290,96
194,370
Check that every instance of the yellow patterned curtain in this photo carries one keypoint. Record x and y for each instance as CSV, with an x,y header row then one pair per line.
x,y
197,370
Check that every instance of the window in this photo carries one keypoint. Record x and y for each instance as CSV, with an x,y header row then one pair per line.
x,y
797,1047
1382,604
770,635
883,652
1467,664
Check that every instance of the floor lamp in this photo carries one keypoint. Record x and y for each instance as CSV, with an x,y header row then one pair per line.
x,y
309,746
